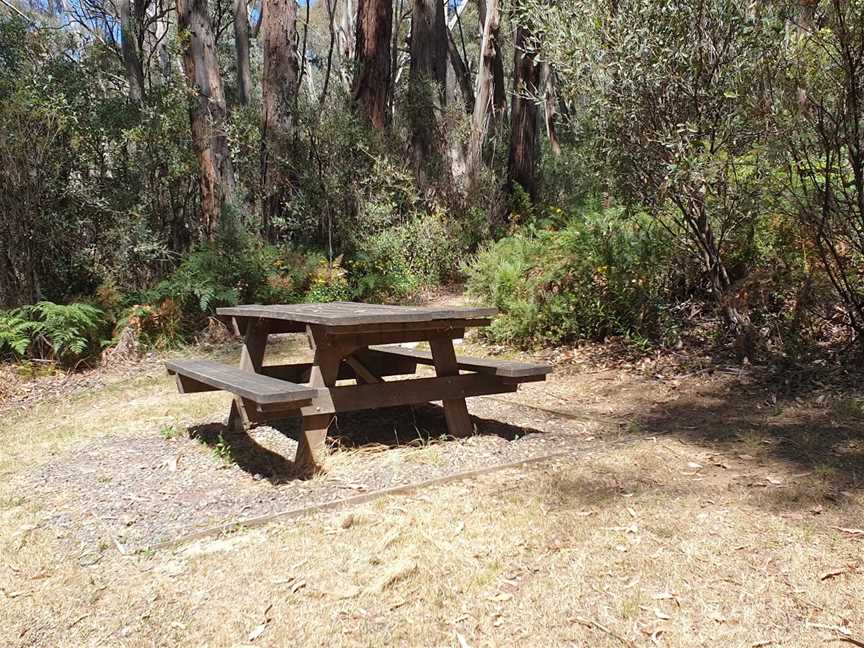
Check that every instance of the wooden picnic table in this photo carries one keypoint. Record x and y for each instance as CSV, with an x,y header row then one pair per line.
x,y
353,342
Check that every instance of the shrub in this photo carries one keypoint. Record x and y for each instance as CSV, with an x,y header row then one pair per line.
x,y
62,333
14,333
379,270
396,262
601,274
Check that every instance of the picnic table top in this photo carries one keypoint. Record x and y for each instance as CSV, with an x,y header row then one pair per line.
x,y
352,313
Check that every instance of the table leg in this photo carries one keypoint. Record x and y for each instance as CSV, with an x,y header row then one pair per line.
x,y
312,444
251,359
455,410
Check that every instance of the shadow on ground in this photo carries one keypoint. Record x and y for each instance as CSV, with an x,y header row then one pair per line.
x,y
814,424
391,427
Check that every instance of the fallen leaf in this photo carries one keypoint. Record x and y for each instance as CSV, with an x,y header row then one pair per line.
x,y
501,597
664,596
342,591
12,595
462,642
774,480
661,615
77,621
347,521
297,586
833,573
692,465
395,572
257,632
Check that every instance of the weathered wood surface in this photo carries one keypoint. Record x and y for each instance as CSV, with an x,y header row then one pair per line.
x,y
350,313
349,398
255,387
503,368
312,443
340,334
455,409
255,338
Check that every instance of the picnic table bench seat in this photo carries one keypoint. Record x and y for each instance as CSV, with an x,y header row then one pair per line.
x,y
507,369
202,375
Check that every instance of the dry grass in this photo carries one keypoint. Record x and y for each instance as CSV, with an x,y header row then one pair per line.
x,y
650,542
608,550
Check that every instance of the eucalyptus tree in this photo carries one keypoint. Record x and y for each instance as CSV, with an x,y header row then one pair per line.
x,y
207,112
522,161
279,81
372,83
427,86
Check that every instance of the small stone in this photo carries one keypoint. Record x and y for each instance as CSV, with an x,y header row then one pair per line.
x,y
347,521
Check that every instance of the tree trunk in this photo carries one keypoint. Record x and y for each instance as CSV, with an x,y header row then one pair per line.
x,y
499,92
460,71
241,46
159,41
371,86
523,116
485,81
428,83
129,50
278,88
550,107
207,112
347,40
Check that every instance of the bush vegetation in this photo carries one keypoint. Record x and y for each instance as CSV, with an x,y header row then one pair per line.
x,y
699,161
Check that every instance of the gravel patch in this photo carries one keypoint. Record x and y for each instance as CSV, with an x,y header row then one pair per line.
x,y
141,489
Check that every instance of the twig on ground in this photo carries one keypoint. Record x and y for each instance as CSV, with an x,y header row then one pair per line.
x,y
845,634
589,623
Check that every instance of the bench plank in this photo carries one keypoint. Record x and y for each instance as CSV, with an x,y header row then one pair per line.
x,y
255,387
502,368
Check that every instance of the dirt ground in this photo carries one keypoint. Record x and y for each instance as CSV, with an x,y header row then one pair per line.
x,y
685,502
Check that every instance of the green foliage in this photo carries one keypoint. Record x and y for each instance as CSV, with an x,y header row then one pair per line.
x,y
170,432
229,271
223,450
398,261
14,333
601,274
63,333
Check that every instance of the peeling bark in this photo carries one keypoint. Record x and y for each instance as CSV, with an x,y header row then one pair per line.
x,y
278,88
550,107
207,111
428,46
241,46
129,50
483,104
371,85
523,115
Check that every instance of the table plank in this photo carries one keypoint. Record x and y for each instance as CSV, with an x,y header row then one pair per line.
x,y
352,314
